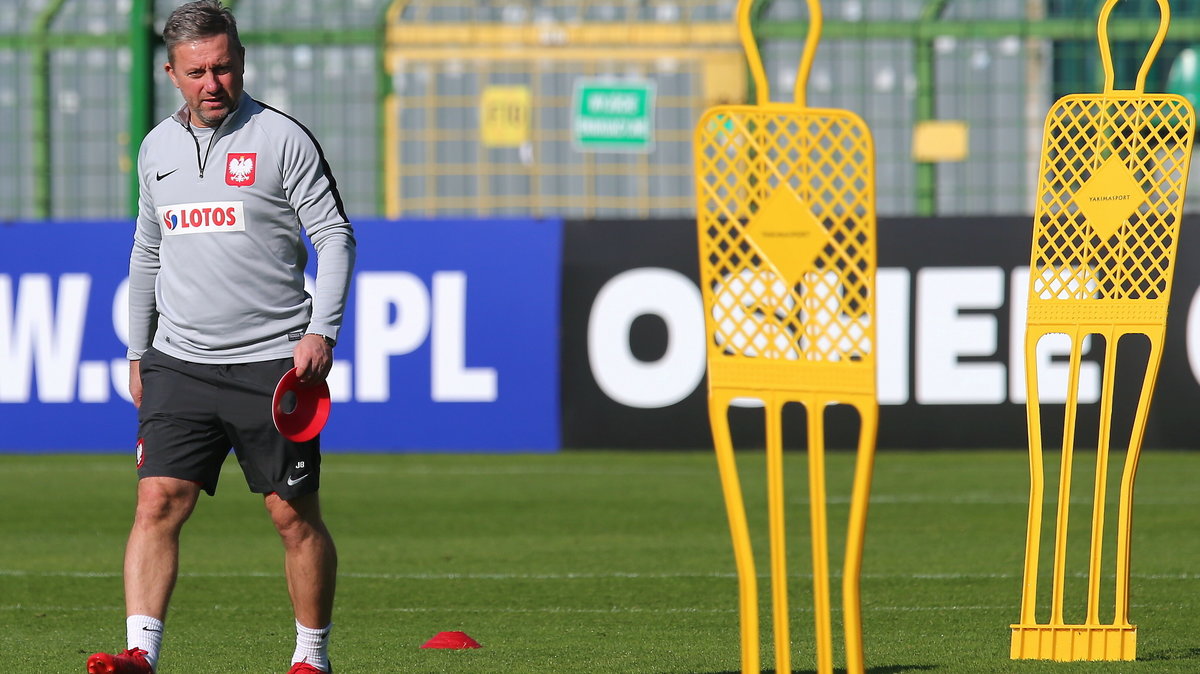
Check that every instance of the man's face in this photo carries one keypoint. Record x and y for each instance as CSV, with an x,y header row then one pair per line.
x,y
208,73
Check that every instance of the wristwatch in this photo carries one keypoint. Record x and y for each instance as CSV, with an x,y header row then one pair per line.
x,y
328,340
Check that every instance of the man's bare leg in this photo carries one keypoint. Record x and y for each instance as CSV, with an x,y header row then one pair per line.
x,y
151,567
310,564
152,553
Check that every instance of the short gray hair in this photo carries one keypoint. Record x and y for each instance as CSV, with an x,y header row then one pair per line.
x,y
199,20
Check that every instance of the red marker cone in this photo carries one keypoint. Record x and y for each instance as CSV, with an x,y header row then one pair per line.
x,y
455,640
309,412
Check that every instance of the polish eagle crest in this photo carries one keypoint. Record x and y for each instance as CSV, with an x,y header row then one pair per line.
x,y
240,168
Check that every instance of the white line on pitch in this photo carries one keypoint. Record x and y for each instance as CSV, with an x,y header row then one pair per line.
x,y
565,609
617,575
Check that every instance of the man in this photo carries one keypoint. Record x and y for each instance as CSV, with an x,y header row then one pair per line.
x,y
217,314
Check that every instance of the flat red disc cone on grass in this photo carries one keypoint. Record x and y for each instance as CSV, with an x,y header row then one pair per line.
x,y
451,640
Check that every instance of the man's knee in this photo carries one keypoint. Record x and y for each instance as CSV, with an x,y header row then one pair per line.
x,y
165,501
298,519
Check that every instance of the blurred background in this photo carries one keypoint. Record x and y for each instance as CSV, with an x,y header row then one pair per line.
x,y
464,107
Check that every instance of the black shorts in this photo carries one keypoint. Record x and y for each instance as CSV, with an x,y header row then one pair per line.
x,y
192,414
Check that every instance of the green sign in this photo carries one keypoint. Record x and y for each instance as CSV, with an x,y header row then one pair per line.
x,y
613,116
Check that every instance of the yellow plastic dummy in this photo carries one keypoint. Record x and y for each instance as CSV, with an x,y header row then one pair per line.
x,y
1106,228
786,224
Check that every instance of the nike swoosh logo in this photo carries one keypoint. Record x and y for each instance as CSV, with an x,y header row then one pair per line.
x,y
160,176
149,629
293,483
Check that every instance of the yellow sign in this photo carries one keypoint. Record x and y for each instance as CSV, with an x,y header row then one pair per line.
x,y
504,116
940,140
788,234
1109,197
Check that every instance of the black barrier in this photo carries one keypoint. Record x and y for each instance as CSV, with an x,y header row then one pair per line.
x,y
951,294
595,253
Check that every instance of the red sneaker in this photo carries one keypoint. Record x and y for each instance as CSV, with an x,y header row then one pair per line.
x,y
132,661
305,668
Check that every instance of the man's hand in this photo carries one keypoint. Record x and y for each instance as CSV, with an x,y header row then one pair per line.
x,y
313,357
135,382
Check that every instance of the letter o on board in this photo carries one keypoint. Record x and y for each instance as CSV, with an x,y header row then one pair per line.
x,y
1192,338
620,374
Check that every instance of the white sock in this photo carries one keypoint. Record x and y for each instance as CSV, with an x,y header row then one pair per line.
x,y
312,646
146,633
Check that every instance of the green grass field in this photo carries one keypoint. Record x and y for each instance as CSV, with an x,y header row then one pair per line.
x,y
576,562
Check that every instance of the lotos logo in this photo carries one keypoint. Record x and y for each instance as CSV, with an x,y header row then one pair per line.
x,y
239,168
202,218
140,452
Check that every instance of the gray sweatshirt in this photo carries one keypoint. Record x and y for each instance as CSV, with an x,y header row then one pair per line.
x,y
216,274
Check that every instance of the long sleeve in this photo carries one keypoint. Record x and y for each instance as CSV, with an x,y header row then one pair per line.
x,y
312,192
144,264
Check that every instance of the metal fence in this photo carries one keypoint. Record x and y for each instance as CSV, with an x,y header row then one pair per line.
x,y
446,154
473,107
70,91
